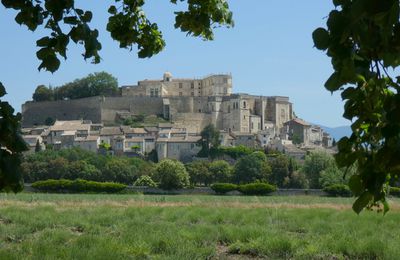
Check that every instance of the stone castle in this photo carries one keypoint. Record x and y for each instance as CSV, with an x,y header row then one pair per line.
x,y
188,103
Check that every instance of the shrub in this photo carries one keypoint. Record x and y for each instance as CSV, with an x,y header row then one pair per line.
x,y
220,171
199,173
145,180
338,190
256,188
394,191
171,175
222,188
77,186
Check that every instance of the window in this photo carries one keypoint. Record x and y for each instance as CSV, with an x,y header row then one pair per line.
x,y
192,94
225,91
180,93
283,113
225,80
156,92
244,104
199,92
151,92
199,110
252,125
192,85
229,109
180,85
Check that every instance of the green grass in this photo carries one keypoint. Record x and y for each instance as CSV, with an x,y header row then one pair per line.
x,y
59,226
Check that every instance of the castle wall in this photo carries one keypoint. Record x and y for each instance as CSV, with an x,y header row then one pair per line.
x,y
193,122
36,113
110,106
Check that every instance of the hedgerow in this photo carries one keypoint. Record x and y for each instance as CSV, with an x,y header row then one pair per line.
x,y
78,186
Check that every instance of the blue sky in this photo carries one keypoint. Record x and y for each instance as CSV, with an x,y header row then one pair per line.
x,y
269,52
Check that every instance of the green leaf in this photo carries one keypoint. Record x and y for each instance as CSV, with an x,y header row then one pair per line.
x,y
334,82
362,202
50,63
43,42
71,20
356,185
386,207
87,17
112,10
2,90
321,38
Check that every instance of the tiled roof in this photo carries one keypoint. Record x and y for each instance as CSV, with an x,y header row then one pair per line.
x,y
180,139
111,130
300,121
135,130
165,125
89,138
69,125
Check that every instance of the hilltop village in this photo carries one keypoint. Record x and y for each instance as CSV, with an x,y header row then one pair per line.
x,y
167,115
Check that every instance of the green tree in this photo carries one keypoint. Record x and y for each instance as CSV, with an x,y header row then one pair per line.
x,y
314,164
82,170
43,93
38,147
251,168
11,147
199,173
135,148
334,175
57,168
236,152
220,171
209,141
153,156
297,180
279,170
142,167
97,84
362,39
119,170
171,175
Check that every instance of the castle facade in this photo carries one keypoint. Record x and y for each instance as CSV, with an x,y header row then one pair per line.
x,y
188,103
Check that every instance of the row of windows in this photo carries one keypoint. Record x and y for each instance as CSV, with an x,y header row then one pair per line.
x,y
154,92
191,85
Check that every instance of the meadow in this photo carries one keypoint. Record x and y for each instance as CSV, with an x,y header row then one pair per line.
x,y
97,226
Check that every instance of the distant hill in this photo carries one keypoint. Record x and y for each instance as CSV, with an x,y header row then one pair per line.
x,y
337,132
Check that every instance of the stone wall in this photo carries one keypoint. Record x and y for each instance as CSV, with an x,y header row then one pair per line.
x,y
36,113
110,106
193,122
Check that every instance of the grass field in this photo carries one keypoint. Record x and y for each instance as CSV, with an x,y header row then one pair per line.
x,y
53,226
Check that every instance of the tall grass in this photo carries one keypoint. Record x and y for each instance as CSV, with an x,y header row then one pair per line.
x,y
40,226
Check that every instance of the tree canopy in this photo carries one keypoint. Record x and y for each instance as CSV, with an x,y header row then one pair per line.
x,y
96,84
362,39
209,141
